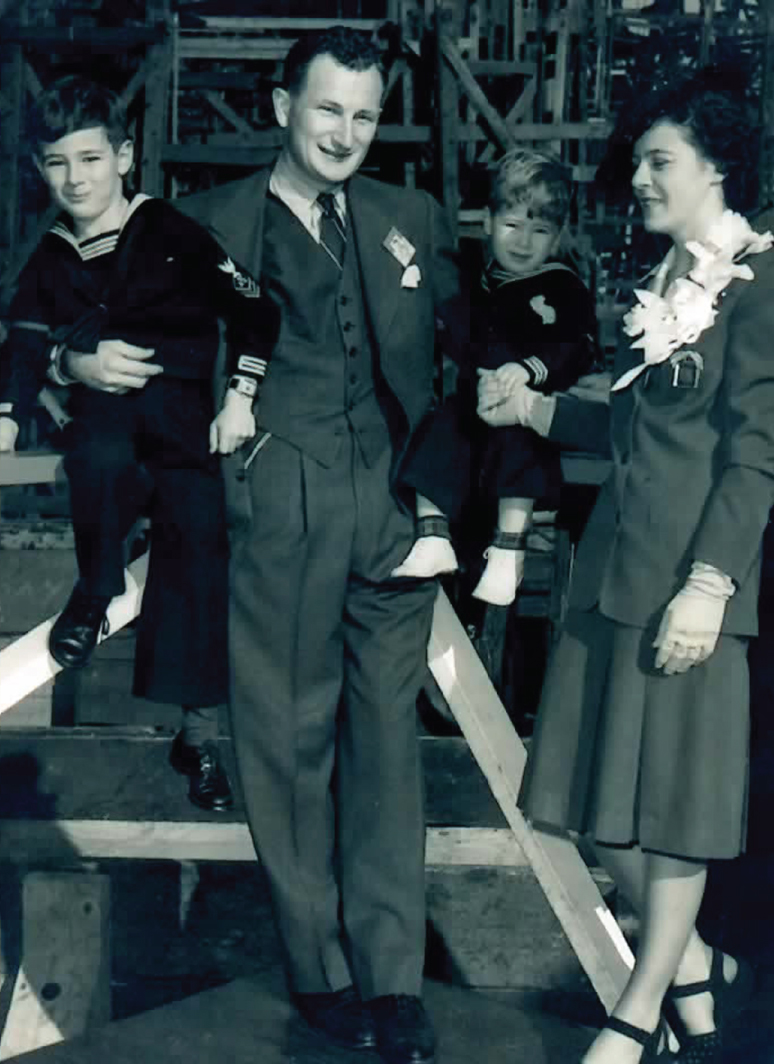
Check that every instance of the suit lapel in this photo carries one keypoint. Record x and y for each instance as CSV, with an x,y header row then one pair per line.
x,y
380,271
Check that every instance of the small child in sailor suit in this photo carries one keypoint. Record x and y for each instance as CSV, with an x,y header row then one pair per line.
x,y
529,319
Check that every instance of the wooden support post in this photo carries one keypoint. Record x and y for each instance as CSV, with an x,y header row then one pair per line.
x,y
154,125
63,984
559,868
766,192
11,109
448,124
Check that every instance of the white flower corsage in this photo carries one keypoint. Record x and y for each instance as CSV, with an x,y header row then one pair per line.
x,y
411,277
664,323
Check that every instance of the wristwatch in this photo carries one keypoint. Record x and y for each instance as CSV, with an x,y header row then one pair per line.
x,y
243,386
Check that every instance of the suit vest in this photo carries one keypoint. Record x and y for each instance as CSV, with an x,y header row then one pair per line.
x,y
320,383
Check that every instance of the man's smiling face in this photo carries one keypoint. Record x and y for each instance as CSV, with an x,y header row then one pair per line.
x,y
331,120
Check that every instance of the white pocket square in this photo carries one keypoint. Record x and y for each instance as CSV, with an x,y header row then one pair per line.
x,y
411,277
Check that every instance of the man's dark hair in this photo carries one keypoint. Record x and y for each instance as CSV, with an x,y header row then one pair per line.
x,y
354,49
73,103
710,107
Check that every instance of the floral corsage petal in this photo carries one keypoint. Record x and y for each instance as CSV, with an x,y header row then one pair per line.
x,y
664,323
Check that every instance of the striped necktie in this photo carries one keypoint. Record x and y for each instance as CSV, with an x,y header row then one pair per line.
x,y
333,236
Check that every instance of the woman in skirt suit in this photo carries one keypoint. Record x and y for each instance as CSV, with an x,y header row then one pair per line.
x,y
642,735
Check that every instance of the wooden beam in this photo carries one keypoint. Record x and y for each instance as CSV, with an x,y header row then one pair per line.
x,y
26,663
32,467
256,24
55,38
233,48
28,841
225,111
561,872
63,985
474,92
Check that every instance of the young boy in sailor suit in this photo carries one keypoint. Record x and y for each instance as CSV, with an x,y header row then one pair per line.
x,y
140,271
530,320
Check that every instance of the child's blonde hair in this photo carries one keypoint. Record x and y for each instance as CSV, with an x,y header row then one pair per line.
x,y
538,178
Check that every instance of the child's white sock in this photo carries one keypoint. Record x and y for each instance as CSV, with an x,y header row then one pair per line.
x,y
504,570
432,553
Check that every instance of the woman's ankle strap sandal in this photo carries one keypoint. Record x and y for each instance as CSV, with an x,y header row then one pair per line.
x,y
655,1043
729,998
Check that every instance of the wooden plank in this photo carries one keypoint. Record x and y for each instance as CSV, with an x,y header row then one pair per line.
x,y
225,111
237,24
561,872
63,985
46,842
123,774
102,39
26,663
31,467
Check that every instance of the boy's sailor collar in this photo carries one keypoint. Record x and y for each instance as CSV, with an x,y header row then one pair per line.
x,y
301,198
501,277
102,243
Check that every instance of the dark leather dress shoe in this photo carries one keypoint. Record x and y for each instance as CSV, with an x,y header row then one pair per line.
x,y
209,787
77,628
341,1016
404,1034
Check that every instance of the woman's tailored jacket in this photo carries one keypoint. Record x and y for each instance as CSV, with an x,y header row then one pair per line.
x,y
693,467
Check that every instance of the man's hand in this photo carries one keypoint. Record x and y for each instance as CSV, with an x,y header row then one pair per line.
x,y
115,366
234,424
9,430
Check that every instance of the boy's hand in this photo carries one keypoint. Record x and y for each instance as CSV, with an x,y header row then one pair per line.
x,y
9,430
234,424
116,366
512,375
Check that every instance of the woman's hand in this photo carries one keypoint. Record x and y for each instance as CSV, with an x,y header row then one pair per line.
x,y
234,425
689,630
512,375
497,405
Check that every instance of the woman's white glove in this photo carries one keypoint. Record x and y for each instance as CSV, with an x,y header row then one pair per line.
x,y
691,624
501,404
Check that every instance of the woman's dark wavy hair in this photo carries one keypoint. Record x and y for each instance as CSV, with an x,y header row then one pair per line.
x,y
711,107
73,103
354,49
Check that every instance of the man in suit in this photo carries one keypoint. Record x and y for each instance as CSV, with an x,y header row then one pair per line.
x,y
328,650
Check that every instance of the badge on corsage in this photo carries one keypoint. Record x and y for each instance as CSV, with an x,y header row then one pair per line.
x,y
399,246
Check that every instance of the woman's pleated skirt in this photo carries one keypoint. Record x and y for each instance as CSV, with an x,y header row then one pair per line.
x,y
627,755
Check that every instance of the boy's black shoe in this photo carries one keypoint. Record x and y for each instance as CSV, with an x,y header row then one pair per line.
x,y
77,628
209,787
404,1034
341,1016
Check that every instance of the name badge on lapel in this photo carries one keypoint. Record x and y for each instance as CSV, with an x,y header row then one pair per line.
x,y
687,368
399,246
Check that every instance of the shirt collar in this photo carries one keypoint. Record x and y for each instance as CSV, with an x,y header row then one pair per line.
x,y
300,197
